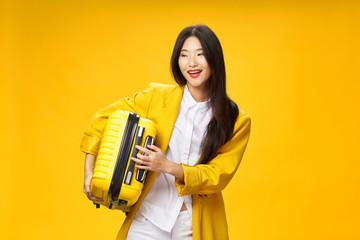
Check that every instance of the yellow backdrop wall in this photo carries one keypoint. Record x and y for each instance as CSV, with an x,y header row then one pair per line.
x,y
292,65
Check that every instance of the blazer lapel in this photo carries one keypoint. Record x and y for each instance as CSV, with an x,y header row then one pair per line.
x,y
167,118
166,122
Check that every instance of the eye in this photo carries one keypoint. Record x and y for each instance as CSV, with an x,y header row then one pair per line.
x,y
201,54
183,55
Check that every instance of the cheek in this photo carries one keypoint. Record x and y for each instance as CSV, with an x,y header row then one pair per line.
x,y
182,64
204,64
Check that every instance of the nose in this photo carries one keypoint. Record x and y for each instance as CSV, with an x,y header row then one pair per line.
x,y
192,61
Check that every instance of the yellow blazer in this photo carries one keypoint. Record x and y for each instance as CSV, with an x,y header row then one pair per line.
x,y
204,182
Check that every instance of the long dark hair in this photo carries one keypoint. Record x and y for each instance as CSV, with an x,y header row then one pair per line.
x,y
224,110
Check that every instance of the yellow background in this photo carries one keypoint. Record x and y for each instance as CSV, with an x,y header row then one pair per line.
x,y
292,65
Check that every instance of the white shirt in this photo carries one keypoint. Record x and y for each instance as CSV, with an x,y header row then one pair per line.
x,y
162,204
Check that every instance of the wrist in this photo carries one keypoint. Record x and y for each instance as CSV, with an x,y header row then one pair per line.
x,y
171,168
176,170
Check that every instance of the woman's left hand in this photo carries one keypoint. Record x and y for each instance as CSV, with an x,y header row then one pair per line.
x,y
153,160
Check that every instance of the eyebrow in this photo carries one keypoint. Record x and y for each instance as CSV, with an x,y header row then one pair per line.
x,y
183,50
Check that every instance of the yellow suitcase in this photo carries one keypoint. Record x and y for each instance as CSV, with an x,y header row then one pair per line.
x,y
113,179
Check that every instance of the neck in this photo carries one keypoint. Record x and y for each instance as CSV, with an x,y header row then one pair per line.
x,y
199,94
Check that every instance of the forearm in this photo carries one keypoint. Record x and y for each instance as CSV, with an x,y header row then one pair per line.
x,y
176,170
89,165
214,176
88,172
204,179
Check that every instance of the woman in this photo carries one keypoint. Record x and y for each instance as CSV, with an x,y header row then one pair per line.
x,y
203,135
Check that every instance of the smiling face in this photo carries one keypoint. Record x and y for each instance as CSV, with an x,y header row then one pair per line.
x,y
194,67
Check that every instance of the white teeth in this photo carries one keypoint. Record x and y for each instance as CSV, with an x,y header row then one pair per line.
x,y
193,72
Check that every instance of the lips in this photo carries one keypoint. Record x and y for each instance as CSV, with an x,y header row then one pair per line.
x,y
194,73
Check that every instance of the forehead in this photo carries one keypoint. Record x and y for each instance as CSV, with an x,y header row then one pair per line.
x,y
192,43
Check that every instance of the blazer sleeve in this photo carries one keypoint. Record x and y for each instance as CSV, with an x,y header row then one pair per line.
x,y
216,174
139,104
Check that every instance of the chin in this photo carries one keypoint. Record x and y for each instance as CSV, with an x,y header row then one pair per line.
x,y
196,84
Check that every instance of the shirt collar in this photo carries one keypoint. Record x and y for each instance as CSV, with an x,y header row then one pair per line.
x,y
191,102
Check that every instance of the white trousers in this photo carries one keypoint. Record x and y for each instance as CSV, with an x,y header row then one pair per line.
x,y
142,228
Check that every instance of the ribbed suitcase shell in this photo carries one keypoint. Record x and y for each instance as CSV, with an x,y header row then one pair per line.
x,y
108,156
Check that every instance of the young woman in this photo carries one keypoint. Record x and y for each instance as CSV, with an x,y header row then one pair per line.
x,y
201,138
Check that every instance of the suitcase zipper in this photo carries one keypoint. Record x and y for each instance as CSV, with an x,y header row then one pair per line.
x,y
123,156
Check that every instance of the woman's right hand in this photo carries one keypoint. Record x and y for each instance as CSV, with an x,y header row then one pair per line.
x,y
88,172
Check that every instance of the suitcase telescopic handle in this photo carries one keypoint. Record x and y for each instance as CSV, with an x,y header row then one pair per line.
x,y
138,140
140,174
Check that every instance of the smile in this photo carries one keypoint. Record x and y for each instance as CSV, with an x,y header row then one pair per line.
x,y
194,73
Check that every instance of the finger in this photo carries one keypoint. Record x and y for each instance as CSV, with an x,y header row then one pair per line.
x,y
138,160
144,167
145,157
145,150
95,199
92,198
140,156
154,148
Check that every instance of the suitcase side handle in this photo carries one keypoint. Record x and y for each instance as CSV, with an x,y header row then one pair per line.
x,y
140,174
138,140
